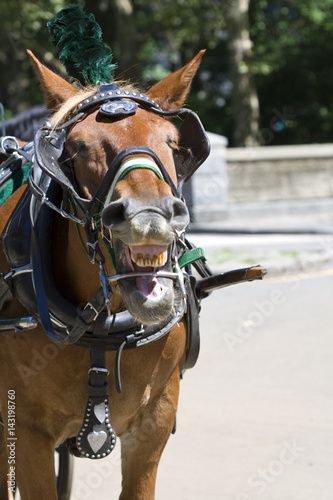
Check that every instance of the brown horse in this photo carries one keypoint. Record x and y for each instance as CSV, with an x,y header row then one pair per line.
x,y
48,381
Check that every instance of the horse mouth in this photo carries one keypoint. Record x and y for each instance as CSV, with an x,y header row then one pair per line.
x,y
147,259
149,255
148,297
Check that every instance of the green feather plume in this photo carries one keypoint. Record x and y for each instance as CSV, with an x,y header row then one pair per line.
x,y
78,39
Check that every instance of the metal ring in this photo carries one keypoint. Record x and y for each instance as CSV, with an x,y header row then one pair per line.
x,y
9,139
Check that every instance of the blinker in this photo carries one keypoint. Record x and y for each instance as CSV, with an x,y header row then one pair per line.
x,y
114,102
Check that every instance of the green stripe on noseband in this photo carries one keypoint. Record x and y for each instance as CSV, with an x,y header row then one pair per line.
x,y
129,165
139,166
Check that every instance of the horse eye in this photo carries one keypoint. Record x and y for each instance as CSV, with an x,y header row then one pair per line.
x,y
77,147
68,157
172,143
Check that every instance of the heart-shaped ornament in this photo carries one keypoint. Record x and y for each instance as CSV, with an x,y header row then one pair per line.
x,y
99,411
96,440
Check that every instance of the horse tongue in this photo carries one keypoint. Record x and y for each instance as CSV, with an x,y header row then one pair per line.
x,y
149,286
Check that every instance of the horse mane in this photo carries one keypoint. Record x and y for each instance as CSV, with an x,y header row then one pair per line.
x,y
69,106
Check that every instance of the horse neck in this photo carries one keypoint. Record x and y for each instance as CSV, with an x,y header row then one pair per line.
x,y
75,276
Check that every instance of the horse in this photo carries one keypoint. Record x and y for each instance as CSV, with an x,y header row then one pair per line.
x,y
110,148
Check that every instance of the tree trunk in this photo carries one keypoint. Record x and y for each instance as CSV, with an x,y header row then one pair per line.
x,y
245,98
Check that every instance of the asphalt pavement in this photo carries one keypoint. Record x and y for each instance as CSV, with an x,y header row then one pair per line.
x,y
254,419
255,414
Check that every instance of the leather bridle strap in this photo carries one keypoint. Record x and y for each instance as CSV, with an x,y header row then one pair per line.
x,y
38,282
129,165
95,205
85,317
97,385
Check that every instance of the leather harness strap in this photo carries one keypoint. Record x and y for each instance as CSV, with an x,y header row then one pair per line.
x,y
97,438
6,289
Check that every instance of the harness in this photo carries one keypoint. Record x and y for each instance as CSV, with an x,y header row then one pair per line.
x,y
27,241
31,278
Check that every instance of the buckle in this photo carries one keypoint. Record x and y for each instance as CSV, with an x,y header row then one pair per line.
x,y
98,369
89,304
139,332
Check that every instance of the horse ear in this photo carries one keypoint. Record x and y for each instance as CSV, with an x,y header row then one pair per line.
x,y
56,89
170,93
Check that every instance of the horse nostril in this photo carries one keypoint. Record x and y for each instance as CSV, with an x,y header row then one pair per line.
x,y
171,209
176,212
115,213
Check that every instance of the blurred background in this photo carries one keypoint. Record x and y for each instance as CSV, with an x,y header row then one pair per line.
x,y
264,89
263,93
266,77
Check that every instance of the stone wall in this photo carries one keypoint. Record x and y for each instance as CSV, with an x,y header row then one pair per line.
x,y
208,187
247,180
280,173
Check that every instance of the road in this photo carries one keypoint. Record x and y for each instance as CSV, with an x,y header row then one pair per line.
x,y
279,253
255,414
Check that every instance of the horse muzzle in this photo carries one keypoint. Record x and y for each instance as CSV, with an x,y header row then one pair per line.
x,y
136,223
143,238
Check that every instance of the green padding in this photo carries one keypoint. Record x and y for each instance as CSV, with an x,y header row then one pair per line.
x,y
191,256
14,183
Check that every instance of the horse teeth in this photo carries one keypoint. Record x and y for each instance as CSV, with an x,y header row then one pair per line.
x,y
161,259
154,261
139,260
147,261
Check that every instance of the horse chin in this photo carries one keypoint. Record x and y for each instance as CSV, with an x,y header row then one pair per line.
x,y
149,310
149,299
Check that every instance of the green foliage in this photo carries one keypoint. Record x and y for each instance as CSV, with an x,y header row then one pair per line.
x,y
292,57
23,26
293,54
78,39
172,32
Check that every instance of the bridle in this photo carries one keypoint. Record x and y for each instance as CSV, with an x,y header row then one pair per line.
x,y
49,170
49,143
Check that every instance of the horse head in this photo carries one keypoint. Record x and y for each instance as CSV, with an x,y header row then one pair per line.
x,y
138,205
